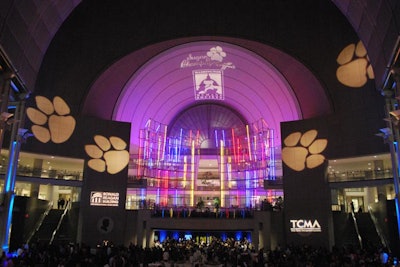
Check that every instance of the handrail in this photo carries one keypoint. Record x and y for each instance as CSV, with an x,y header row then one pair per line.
x,y
40,221
383,239
359,175
357,231
59,222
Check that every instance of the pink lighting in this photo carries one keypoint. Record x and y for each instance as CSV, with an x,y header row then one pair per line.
x,y
157,86
179,180
156,91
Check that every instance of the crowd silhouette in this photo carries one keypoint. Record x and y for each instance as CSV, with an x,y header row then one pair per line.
x,y
188,253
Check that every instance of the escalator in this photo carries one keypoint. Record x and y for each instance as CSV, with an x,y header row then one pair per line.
x,y
369,232
43,234
357,230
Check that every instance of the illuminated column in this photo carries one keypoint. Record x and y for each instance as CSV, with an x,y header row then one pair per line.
x,y
222,173
234,146
140,155
271,163
184,171
229,172
158,185
248,187
393,138
166,177
192,177
5,79
164,143
248,142
17,136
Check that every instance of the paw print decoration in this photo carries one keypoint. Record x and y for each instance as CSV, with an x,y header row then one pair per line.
x,y
108,154
51,120
216,54
354,67
303,150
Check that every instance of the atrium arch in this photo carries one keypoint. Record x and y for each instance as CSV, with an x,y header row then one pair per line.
x,y
265,83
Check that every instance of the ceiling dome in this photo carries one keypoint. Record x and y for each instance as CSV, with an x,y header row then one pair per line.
x,y
209,122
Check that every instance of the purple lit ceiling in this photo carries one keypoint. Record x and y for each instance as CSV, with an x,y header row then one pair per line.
x,y
267,85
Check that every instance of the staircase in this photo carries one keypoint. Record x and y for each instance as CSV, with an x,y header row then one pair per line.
x,y
367,230
49,224
346,230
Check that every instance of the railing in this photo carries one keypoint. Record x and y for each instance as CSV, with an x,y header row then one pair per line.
x,y
40,221
382,237
221,213
60,222
42,173
178,183
357,230
359,175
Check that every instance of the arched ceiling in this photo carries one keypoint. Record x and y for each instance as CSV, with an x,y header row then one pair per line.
x,y
27,28
164,85
93,55
207,121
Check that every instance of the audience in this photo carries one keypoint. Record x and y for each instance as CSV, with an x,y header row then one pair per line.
x,y
217,252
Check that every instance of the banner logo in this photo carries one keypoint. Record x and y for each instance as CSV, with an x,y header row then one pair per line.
x,y
107,199
305,226
208,78
208,84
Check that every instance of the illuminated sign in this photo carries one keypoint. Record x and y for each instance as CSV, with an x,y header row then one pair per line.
x,y
303,150
107,199
214,58
208,84
51,120
108,154
305,226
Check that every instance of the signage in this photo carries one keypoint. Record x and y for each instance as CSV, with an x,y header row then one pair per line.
x,y
208,84
105,199
305,226
208,76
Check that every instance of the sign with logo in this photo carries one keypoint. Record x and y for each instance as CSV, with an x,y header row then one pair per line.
x,y
207,78
105,199
208,84
305,226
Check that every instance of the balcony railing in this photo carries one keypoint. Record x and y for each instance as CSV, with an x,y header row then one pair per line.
x,y
42,173
359,175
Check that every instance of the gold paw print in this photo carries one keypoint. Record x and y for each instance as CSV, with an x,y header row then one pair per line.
x,y
51,120
303,151
354,69
107,154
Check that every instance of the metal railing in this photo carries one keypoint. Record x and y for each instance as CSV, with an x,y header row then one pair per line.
x,y
359,175
40,222
60,222
378,229
42,173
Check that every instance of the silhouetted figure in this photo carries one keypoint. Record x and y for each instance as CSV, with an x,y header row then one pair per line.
x,y
62,203
352,206
105,225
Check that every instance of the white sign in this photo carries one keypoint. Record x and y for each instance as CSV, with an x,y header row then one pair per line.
x,y
214,58
110,199
305,226
208,84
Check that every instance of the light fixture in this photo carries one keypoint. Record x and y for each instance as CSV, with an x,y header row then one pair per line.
x,y
395,113
6,116
386,131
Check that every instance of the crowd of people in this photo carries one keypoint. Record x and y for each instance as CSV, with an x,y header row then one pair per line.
x,y
178,253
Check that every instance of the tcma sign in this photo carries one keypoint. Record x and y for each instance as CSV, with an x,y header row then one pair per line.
x,y
305,226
